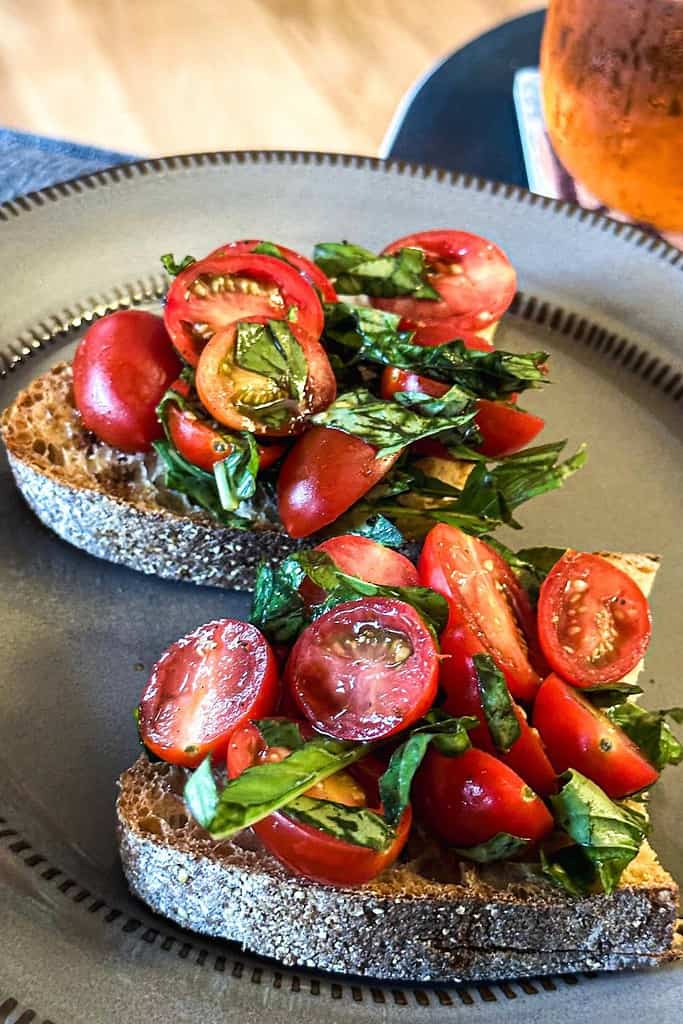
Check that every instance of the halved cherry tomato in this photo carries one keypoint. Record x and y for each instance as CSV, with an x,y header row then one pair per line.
x,y
215,293
366,559
458,680
474,277
440,332
313,274
306,850
323,475
244,400
580,736
365,669
122,367
203,686
204,446
504,429
593,620
467,799
487,597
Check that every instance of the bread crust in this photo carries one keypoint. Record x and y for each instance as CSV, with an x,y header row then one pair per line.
x,y
430,919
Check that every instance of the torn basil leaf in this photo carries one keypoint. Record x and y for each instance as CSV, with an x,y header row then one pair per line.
x,y
272,351
278,609
266,787
380,529
356,825
530,565
650,731
496,702
375,337
502,846
389,427
279,732
174,268
269,249
449,736
357,271
610,693
201,487
609,834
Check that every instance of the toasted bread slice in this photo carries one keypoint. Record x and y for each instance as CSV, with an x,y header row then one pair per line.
x,y
115,506
432,917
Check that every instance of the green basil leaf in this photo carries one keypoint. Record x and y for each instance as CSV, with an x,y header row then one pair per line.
x,y
380,529
272,351
236,474
570,868
502,846
373,336
530,565
200,487
358,271
450,737
650,731
278,609
390,427
269,249
609,834
356,825
279,732
610,694
270,786
496,702
173,268
201,794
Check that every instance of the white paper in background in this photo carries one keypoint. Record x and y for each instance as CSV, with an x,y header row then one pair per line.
x,y
546,174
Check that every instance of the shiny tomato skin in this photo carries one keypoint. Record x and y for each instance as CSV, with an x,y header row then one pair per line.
x,y
458,680
487,596
364,670
307,268
579,736
121,369
325,472
308,851
370,561
395,381
205,685
467,799
593,620
191,301
200,444
474,297
218,381
439,332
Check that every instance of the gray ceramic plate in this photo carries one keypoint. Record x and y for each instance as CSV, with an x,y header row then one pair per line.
x,y
77,635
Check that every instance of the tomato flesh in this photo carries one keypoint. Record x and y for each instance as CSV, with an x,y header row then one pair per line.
x,y
577,735
121,369
307,268
474,278
309,851
215,293
458,680
203,687
364,670
244,400
487,597
594,620
323,475
468,799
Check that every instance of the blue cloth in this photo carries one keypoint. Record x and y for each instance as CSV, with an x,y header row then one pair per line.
x,y
29,162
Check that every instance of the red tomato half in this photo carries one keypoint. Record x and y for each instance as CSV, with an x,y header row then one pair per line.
x,y
313,274
203,446
309,851
487,598
215,293
458,679
593,620
580,736
244,400
467,799
440,332
203,687
365,558
474,277
122,367
324,474
365,669
503,428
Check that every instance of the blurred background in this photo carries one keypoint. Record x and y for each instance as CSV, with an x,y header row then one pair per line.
x,y
166,76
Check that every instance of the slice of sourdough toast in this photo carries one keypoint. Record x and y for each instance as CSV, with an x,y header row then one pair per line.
x,y
115,506
431,917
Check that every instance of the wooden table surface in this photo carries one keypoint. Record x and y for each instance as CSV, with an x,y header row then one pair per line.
x,y
163,76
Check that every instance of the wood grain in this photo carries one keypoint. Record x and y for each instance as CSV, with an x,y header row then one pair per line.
x,y
162,76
